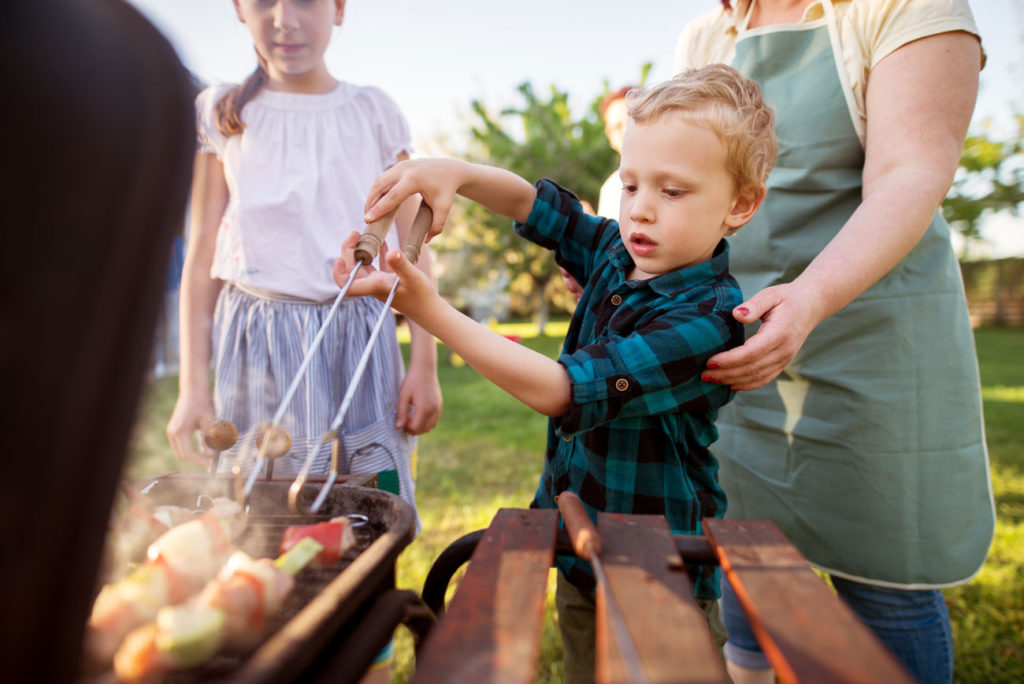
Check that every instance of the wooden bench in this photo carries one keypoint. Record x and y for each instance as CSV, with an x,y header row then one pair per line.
x,y
491,631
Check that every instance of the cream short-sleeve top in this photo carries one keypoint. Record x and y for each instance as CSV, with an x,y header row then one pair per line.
x,y
869,30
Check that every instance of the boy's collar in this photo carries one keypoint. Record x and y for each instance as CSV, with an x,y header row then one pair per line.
x,y
678,279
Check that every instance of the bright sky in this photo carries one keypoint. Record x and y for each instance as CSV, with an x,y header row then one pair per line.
x,y
434,57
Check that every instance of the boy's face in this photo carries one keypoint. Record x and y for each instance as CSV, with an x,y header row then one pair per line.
x,y
678,198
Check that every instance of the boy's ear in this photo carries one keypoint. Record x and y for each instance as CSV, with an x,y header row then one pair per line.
x,y
238,11
744,206
339,13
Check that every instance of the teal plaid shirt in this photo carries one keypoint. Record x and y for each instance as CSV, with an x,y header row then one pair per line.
x,y
636,437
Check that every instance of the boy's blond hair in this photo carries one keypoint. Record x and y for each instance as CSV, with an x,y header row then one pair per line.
x,y
730,104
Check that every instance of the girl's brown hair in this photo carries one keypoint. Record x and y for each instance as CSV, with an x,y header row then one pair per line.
x,y
228,110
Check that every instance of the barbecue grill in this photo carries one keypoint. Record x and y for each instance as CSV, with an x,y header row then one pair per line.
x,y
337,617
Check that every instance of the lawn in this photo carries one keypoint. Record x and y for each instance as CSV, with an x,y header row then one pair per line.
x,y
487,454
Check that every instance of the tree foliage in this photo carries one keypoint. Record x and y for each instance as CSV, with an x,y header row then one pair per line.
x,y
541,138
990,179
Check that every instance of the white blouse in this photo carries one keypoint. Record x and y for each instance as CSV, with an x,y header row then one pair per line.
x,y
298,176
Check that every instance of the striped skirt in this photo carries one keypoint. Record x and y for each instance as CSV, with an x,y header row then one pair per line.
x,y
260,340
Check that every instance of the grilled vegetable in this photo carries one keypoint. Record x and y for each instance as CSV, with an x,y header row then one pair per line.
x,y
231,609
335,536
178,564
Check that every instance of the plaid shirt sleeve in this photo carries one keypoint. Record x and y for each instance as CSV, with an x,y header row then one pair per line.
x,y
656,369
558,222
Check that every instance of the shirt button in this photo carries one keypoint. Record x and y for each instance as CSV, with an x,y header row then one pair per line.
x,y
616,300
622,384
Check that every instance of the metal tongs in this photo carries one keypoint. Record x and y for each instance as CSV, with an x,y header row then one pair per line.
x,y
365,252
367,248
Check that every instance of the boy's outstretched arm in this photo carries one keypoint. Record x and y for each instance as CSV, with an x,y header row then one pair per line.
x,y
439,180
534,379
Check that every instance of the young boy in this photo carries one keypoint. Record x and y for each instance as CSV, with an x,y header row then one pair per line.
x,y
631,419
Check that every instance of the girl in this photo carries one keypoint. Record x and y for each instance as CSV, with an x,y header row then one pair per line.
x,y
285,161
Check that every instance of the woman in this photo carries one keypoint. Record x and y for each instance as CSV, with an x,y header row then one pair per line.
x,y
860,433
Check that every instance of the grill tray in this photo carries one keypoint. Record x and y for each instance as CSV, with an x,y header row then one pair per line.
x,y
325,599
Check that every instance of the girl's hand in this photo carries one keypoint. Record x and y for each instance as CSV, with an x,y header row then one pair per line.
x,y
189,417
788,315
419,401
436,180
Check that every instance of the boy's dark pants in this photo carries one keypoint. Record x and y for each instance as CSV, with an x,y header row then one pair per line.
x,y
576,612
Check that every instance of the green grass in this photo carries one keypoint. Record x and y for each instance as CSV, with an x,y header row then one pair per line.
x,y
487,454
988,613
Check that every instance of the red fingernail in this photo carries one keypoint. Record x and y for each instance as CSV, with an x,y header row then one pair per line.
x,y
707,378
743,310
712,364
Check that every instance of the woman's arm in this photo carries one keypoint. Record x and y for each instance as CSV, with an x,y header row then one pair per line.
x,y
919,101
194,407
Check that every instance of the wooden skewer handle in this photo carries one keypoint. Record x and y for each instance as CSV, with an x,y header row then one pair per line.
x,y
582,533
273,441
220,435
373,237
417,233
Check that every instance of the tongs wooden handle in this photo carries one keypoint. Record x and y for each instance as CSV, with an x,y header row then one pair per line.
x,y
411,249
373,237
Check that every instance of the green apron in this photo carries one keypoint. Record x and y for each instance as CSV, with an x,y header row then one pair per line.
x,y
868,451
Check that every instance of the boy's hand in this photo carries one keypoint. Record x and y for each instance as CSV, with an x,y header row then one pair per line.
x,y
436,180
414,293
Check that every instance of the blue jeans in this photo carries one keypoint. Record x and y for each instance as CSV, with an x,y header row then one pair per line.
x,y
914,624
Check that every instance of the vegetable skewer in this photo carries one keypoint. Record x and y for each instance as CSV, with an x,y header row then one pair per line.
x,y
177,565
231,610
336,537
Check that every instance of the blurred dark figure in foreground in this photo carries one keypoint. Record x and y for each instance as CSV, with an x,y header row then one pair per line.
x,y
99,133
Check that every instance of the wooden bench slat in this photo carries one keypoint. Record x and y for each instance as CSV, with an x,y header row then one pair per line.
x,y
491,630
655,594
805,630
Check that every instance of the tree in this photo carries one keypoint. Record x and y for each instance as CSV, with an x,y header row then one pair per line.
x,y
540,139
990,179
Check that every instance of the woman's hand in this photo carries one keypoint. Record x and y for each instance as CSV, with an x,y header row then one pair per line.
x,y
190,415
788,313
